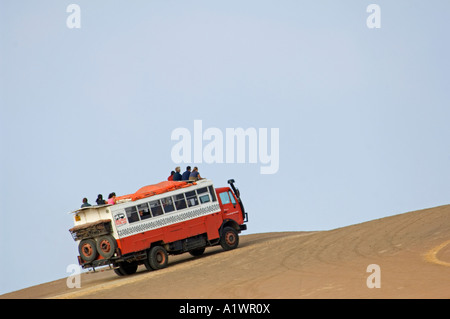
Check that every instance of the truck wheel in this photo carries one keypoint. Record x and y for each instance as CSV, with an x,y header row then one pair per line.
x,y
197,252
126,269
87,250
157,258
106,246
118,272
229,239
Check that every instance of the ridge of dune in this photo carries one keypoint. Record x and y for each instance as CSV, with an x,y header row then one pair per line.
x,y
411,249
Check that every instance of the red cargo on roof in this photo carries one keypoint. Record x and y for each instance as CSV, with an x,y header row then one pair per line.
x,y
151,190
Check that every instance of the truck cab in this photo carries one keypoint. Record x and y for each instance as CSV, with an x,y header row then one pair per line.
x,y
231,205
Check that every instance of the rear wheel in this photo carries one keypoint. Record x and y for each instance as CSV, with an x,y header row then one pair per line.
x,y
87,250
229,239
118,272
126,269
157,258
197,252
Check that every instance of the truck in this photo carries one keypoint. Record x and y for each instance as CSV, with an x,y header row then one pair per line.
x,y
167,218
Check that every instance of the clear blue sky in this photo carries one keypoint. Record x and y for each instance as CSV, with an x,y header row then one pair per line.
x,y
362,113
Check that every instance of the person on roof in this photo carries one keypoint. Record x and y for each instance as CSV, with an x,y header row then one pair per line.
x,y
195,175
177,175
85,203
186,174
100,200
170,178
112,198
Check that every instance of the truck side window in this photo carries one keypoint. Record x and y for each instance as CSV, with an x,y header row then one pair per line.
x,y
204,198
180,202
213,193
168,204
233,201
156,208
191,198
224,198
132,214
144,211
203,195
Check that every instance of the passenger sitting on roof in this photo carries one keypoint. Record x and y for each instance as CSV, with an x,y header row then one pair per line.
x,y
112,198
185,176
100,200
177,175
85,203
195,175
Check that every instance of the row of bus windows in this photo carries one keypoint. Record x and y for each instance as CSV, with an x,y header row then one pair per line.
x,y
170,204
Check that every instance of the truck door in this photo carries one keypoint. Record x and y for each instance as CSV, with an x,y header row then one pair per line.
x,y
230,207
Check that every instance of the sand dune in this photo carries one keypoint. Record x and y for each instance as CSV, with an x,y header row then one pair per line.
x,y
411,249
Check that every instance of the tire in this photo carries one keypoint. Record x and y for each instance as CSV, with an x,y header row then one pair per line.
x,y
126,269
197,252
106,246
229,239
157,258
87,249
118,272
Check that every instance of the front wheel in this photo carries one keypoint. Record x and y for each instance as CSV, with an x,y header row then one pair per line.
x,y
229,239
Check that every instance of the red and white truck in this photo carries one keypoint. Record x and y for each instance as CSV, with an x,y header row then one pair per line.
x,y
166,218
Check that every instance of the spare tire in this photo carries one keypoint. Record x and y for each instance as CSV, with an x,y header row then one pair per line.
x,y
106,246
87,249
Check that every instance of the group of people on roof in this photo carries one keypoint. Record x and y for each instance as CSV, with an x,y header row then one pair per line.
x,y
100,201
188,175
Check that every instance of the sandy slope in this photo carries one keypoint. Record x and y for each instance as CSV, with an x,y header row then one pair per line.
x,y
412,250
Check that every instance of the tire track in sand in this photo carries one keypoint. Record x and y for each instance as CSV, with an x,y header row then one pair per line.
x,y
431,255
